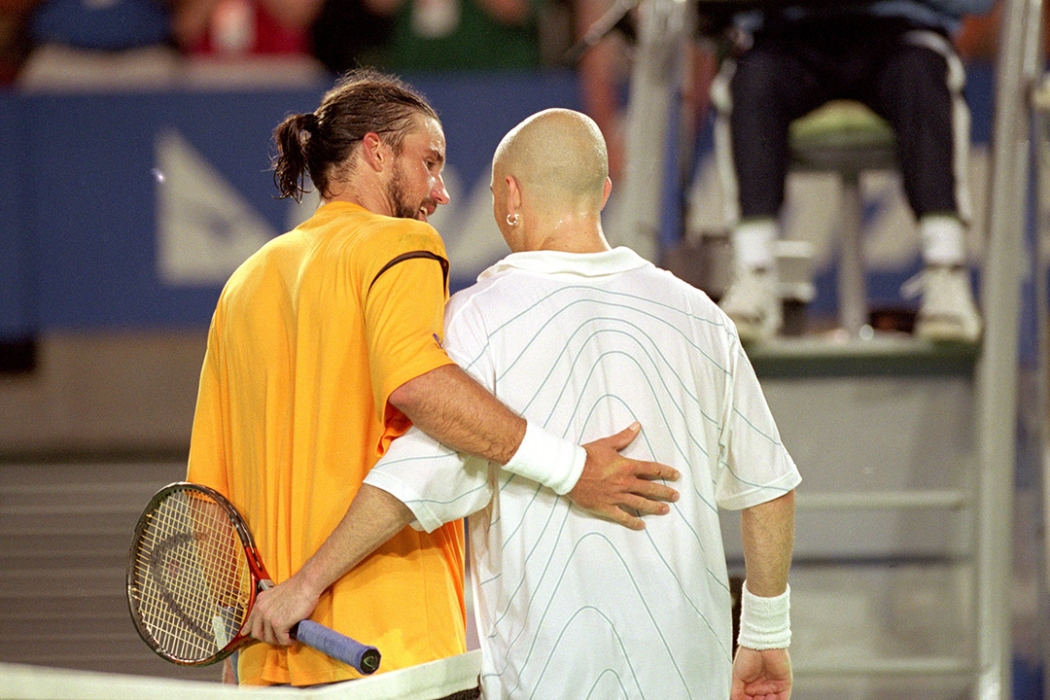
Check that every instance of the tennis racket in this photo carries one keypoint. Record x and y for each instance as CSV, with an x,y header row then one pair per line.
x,y
193,576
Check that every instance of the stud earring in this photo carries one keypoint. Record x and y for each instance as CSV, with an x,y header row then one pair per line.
x,y
512,219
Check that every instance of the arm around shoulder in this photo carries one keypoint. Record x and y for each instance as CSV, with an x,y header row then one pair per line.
x,y
447,404
450,406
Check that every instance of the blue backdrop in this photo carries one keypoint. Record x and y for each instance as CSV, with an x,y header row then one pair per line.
x,y
79,183
79,187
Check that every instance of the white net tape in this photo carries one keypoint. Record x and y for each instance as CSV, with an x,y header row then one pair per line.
x,y
430,681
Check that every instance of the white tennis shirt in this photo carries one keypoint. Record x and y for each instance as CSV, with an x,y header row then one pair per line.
x,y
570,606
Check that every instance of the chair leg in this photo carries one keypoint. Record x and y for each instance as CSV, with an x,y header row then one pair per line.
x,y
852,286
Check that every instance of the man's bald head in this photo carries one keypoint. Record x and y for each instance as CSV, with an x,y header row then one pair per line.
x,y
559,159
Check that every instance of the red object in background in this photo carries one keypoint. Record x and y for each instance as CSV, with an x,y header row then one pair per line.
x,y
244,27
978,37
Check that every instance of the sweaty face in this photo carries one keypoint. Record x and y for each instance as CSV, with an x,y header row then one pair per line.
x,y
415,188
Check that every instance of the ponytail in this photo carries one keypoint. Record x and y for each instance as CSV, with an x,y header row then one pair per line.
x,y
291,166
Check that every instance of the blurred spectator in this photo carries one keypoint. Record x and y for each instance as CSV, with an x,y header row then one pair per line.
x,y
443,35
80,44
99,43
247,42
347,34
106,25
14,38
237,28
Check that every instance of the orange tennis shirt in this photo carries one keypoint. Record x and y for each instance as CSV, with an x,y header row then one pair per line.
x,y
309,338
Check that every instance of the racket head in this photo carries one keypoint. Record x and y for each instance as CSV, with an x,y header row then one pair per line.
x,y
192,575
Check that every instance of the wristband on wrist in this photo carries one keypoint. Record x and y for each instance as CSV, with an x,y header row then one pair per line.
x,y
765,623
544,457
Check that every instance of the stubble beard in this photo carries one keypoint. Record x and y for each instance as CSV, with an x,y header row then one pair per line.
x,y
396,193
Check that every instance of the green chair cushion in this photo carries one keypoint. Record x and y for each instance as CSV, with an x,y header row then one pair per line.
x,y
841,124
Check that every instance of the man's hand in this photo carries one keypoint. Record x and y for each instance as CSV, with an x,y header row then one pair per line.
x,y
761,675
621,489
278,609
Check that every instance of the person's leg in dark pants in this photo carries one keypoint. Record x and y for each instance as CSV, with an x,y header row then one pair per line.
x,y
918,89
772,84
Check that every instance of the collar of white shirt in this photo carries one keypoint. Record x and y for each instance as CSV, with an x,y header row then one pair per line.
x,y
609,262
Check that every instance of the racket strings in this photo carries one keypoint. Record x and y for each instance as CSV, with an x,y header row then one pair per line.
x,y
192,581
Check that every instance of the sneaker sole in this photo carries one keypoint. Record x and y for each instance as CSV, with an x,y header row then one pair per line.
x,y
753,331
945,331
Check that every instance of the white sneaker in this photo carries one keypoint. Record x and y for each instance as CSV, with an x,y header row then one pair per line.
x,y
947,312
752,302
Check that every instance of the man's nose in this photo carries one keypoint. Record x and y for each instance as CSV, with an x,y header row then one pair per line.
x,y
439,193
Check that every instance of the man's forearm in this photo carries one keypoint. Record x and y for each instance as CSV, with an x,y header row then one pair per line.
x,y
447,404
768,534
765,622
373,517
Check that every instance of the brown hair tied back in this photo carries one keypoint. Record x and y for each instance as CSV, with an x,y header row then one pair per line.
x,y
291,166
319,144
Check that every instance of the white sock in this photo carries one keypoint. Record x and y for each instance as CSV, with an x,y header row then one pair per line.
x,y
753,244
943,240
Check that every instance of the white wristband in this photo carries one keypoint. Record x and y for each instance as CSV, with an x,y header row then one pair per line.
x,y
548,459
765,623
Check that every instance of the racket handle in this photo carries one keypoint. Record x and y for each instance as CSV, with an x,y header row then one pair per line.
x,y
364,658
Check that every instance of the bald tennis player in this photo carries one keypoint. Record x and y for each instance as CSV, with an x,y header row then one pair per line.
x,y
581,338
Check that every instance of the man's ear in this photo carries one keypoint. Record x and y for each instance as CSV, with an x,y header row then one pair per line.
x,y
513,194
606,191
375,151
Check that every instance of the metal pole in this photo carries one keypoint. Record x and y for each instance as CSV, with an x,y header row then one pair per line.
x,y
853,288
997,371
665,26
1041,107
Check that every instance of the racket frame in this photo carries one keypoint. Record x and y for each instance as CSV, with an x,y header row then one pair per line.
x,y
259,576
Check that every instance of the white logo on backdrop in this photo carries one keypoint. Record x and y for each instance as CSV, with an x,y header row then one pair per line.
x,y
205,228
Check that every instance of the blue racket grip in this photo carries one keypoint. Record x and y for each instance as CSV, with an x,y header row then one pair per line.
x,y
364,658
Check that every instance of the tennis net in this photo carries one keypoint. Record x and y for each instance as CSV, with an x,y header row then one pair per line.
x,y
432,681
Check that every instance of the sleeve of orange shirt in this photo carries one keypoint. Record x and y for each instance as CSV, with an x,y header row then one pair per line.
x,y
207,459
405,286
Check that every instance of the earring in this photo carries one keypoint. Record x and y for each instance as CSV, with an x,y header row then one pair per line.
x,y
512,219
